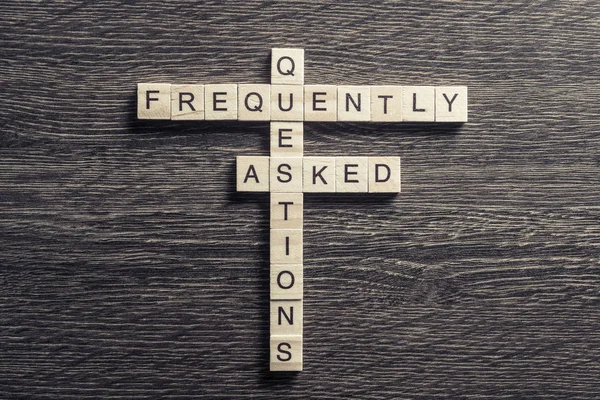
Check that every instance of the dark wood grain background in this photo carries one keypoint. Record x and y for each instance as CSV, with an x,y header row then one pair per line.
x,y
130,268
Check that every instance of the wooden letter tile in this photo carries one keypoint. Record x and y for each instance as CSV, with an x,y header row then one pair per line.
x,y
254,102
287,210
286,282
386,103
351,175
354,103
418,103
320,103
286,353
286,317
220,102
451,104
384,174
154,101
286,246
286,174
287,66
287,139
319,174
187,102
287,103
252,174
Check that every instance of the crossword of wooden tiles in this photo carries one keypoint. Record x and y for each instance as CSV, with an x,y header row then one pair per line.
x,y
287,174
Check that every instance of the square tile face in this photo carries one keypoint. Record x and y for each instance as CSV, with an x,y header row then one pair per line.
x,y
286,246
220,102
254,102
287,139
286,282
320,103
286,353
418,103
386,103
286,317
319,174
154,101
287,103
286,174
451,104
252,174
187,102
287,66
354,103
287,210
384,174
351,175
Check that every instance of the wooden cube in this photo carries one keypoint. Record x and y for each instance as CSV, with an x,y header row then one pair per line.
x,y
354,103
286,282
451,104
286,317
286,174
187,102
320,103
386,103
319,174
384,174
287,210
287,66
154,101
351,174
220,102
418,103
287,103
254,102
287,139
252,174
286,246
286,353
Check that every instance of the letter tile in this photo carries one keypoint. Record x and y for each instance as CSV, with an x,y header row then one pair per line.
x,y
286,174
286,353
319,174
354,103
286,317
187,102
418,103
320,103
287,66
287,210
252,174
451,104
351,174
384,174
386,103
220,102
287,139
154,101
254,102
286,282
287,103
286,246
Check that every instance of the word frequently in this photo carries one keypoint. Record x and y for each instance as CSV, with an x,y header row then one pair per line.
x,y
252,102
287,174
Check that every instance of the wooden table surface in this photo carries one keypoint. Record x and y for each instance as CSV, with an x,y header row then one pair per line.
x,y
130,268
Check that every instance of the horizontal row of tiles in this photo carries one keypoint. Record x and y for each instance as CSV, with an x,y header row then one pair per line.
x,y
263,102
318,174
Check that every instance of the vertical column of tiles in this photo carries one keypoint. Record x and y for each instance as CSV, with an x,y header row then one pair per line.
x,y
287,203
